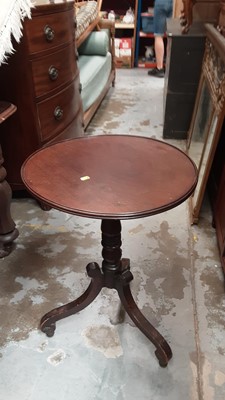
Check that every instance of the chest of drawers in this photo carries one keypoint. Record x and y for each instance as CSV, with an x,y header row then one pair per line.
x,y
42,79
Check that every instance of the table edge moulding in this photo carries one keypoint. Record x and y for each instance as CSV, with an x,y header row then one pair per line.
x,y
112,178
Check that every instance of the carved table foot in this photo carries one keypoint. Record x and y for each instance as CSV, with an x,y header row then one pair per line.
x,y
6,243
163,351
47,324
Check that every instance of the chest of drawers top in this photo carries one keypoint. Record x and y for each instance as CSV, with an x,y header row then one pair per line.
x,y
50,26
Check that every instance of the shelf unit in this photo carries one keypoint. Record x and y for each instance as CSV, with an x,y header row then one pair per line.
x,y
123,30
142,38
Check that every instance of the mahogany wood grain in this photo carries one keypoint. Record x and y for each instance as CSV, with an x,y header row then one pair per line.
x,y
47,49
129,176
50,124
62,26
111,177
54,70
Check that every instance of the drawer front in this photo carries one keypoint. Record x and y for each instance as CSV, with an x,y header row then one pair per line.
x,y
54,70
48,31
75,129
58,111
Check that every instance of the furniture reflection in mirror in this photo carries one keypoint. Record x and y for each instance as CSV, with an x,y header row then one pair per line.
x,y
183,70
202,119
208,114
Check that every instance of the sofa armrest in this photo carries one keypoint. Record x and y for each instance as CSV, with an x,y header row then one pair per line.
x,y
97,43
110,26
107,24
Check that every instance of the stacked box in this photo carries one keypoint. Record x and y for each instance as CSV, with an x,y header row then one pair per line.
x,y
123,52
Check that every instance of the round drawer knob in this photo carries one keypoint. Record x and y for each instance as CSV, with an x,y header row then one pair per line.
x,y
49,33
58,113
53,73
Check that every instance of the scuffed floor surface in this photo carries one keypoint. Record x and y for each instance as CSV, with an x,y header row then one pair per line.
x,y
178,284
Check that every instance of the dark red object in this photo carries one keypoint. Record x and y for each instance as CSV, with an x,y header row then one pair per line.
x,y
110,177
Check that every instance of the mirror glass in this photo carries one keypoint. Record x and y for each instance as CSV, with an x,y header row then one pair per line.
x,y
205,159
202,142
201,126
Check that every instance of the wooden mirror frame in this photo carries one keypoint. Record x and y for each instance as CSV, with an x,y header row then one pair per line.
x,y
199,10
213,76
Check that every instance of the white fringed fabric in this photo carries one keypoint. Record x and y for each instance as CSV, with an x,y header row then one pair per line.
x,y
12,13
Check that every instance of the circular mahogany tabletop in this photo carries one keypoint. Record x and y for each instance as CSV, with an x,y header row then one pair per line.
x,y
110,176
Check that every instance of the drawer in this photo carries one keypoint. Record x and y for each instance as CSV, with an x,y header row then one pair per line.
x,y
73,130
58,111
56,69
48,31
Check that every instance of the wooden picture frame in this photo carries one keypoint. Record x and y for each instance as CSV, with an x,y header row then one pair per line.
x,y
208,114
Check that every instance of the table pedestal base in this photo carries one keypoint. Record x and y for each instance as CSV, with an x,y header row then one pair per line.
x,y
115,274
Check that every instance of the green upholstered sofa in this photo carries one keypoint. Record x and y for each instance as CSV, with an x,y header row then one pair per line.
x,y
96,66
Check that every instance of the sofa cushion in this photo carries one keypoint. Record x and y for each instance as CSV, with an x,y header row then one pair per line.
x,y
94,74
97,43
85,14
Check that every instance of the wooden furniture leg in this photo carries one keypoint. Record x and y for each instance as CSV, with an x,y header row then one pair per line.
x,y
163,351
47,324
115,274
8,231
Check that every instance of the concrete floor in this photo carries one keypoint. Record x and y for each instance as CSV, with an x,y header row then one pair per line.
x,y
178,284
